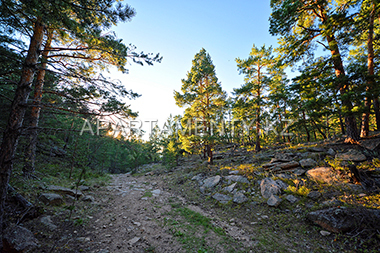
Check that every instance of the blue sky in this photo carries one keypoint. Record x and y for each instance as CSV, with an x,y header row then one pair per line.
x,y
178,30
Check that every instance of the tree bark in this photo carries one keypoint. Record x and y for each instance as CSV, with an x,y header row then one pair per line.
x,y
371,73
376,107
343,84
18,108
29,166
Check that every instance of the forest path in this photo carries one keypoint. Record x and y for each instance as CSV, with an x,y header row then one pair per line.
x,y
142,214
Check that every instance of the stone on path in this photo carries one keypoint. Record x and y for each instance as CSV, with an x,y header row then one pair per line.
x,y
156,192
134,240
224,199
88,198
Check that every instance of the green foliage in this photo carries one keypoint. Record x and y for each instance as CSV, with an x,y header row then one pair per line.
x,y
204,100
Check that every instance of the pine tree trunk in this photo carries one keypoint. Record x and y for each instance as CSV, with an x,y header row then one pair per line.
x,y
371,73
343,84
12,131
29,168
304,125
376,107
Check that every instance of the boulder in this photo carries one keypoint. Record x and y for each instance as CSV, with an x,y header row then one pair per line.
x,y
51,199
307,163
64,190
269,187
236,178
18,239
274,201
322,174
351,155
211,182
224,199
338,219
239,198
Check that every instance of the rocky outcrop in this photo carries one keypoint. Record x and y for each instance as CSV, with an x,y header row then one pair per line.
x,y
339,219
18,239
351,155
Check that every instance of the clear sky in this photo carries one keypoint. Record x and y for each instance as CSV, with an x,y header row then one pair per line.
x,y
178,30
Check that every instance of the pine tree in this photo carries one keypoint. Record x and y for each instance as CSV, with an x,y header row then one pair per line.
x,y
257,77
300,23
203,97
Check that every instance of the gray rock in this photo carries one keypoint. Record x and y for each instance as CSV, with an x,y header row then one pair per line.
x,y
331,202
352,155
338,220
84,188
291,199
156,192
324,233
299,172
234,172
282,157
88,198
274,201
211,182
18,239
198,177
316,149
240,198
288,165
314,194
269,187
46,220
236,178
51,199
322,174
331,152
307,163
282,184
284,176
224,199
230,188
64,190
134,240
